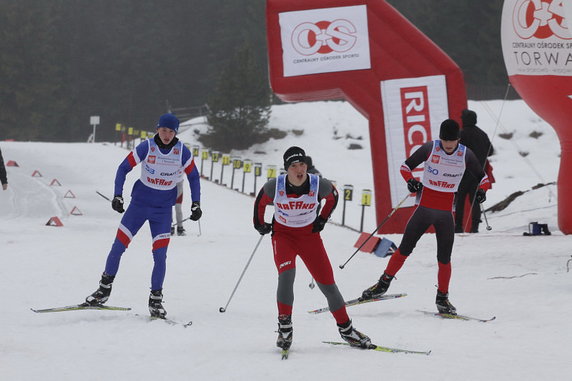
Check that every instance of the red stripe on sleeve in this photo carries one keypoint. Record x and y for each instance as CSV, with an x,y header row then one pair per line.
x,y
131,160
190,167
330,204
262,200
485,183
406,172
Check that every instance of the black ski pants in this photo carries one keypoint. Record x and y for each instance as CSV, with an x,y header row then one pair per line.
x,y
418,224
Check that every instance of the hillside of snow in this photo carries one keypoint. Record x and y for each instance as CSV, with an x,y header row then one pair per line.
x,y
523,281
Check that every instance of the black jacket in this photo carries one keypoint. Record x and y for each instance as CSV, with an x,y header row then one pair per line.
x,y
478,141
3,178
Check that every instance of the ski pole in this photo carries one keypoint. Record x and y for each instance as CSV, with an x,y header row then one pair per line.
x,y
104,196
485,216
173,225
223,309
376,229
200,232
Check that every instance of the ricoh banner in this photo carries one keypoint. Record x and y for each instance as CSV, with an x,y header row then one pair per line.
x,y
414,109
325,40
536,37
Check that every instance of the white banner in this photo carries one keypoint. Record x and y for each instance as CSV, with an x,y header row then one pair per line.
x,y
413,110
536,37
325,40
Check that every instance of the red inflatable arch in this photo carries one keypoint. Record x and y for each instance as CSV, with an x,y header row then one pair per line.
x,y
537,49
368,54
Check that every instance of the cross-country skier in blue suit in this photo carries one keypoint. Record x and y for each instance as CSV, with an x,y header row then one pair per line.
x,y
164,161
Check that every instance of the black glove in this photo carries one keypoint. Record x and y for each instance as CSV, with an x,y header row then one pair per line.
x,y
318,224
481,195
196,211
117,204
265,228
414,186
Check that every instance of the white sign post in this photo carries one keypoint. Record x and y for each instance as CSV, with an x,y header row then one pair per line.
x,y
94,121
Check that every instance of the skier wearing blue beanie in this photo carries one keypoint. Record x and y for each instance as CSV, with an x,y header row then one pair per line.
x,y
165,161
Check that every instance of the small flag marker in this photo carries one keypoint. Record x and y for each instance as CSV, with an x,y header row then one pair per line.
x,y
76,212
54,221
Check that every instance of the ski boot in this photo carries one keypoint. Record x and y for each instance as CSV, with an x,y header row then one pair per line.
x,y
101,295
377,289
285,332
181,231
444,306
352,336
156,304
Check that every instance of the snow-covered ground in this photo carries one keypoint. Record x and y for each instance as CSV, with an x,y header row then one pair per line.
x,y
523,281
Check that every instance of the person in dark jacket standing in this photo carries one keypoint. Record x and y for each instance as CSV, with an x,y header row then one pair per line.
x,y
311,169
478,141
3,178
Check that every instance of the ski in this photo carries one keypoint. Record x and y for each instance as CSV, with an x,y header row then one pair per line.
x,y
82,306
357,301
170,321
457,317
285,353
380,348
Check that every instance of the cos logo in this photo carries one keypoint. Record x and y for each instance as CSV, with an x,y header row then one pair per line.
x,y
540,19
324,37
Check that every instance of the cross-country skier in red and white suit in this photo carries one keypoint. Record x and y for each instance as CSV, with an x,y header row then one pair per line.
x,y
295,229
445,162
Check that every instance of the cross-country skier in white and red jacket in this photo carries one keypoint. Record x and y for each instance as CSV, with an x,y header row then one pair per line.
x,y
445,161
296,226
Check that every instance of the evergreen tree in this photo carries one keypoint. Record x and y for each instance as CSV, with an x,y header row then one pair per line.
x,y
239,109
30,88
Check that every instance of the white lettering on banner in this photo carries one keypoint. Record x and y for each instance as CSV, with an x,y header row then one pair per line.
x,y
536,37
325,40
413,109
